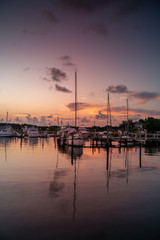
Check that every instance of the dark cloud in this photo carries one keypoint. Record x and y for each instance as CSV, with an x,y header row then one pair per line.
x,y
85,120
118,89
69,64
97,28
57,74
100,116
49,16
145,96
67,61
85,6
62,89
129,7
50,116
80,106
66,58
28,114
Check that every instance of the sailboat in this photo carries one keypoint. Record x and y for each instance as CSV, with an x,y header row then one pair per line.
x,y
74,138
126,139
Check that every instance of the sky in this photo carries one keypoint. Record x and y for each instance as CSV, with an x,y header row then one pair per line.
x,y
113,45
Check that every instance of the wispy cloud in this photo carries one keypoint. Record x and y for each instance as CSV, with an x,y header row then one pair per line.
x,y
80,106
118,89
33,33
66,58
85,6
50,16
97,28
129,7
46,79
67,61
26,69
62,89
145,96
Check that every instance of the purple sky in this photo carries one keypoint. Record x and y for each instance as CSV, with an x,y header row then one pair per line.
x,y
113,45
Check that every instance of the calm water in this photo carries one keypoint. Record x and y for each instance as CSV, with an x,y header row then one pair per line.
x,y
51,193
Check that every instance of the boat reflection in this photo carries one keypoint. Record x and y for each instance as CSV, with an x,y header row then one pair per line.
x,y
152,151
57,185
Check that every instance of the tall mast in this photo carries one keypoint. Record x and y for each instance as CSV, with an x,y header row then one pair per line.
x,y
107,113
75,98
127,118
109,120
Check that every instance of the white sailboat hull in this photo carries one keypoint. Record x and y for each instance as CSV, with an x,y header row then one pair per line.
x,y
6,134
76,141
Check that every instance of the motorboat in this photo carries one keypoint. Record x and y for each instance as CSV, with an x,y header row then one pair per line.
x,y
33,132
6,131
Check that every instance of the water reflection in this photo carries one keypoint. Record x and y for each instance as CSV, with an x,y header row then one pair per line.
x,y
152,151
68,193
108,166
57,186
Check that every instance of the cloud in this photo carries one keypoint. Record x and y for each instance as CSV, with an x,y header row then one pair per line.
x,y
97,28
49,16
101,116
26,69
128,8
67,61
66,58
46,79
28,114
135,112
145,96
80,106
57,74
85,6
50,116
33,33
18,120
118,89
85,120
62,89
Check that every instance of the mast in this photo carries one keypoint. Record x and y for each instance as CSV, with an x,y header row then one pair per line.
x,y
109,120
75,98
7,118
127,118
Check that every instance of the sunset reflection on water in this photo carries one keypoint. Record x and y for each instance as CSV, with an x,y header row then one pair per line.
x,y
49,192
